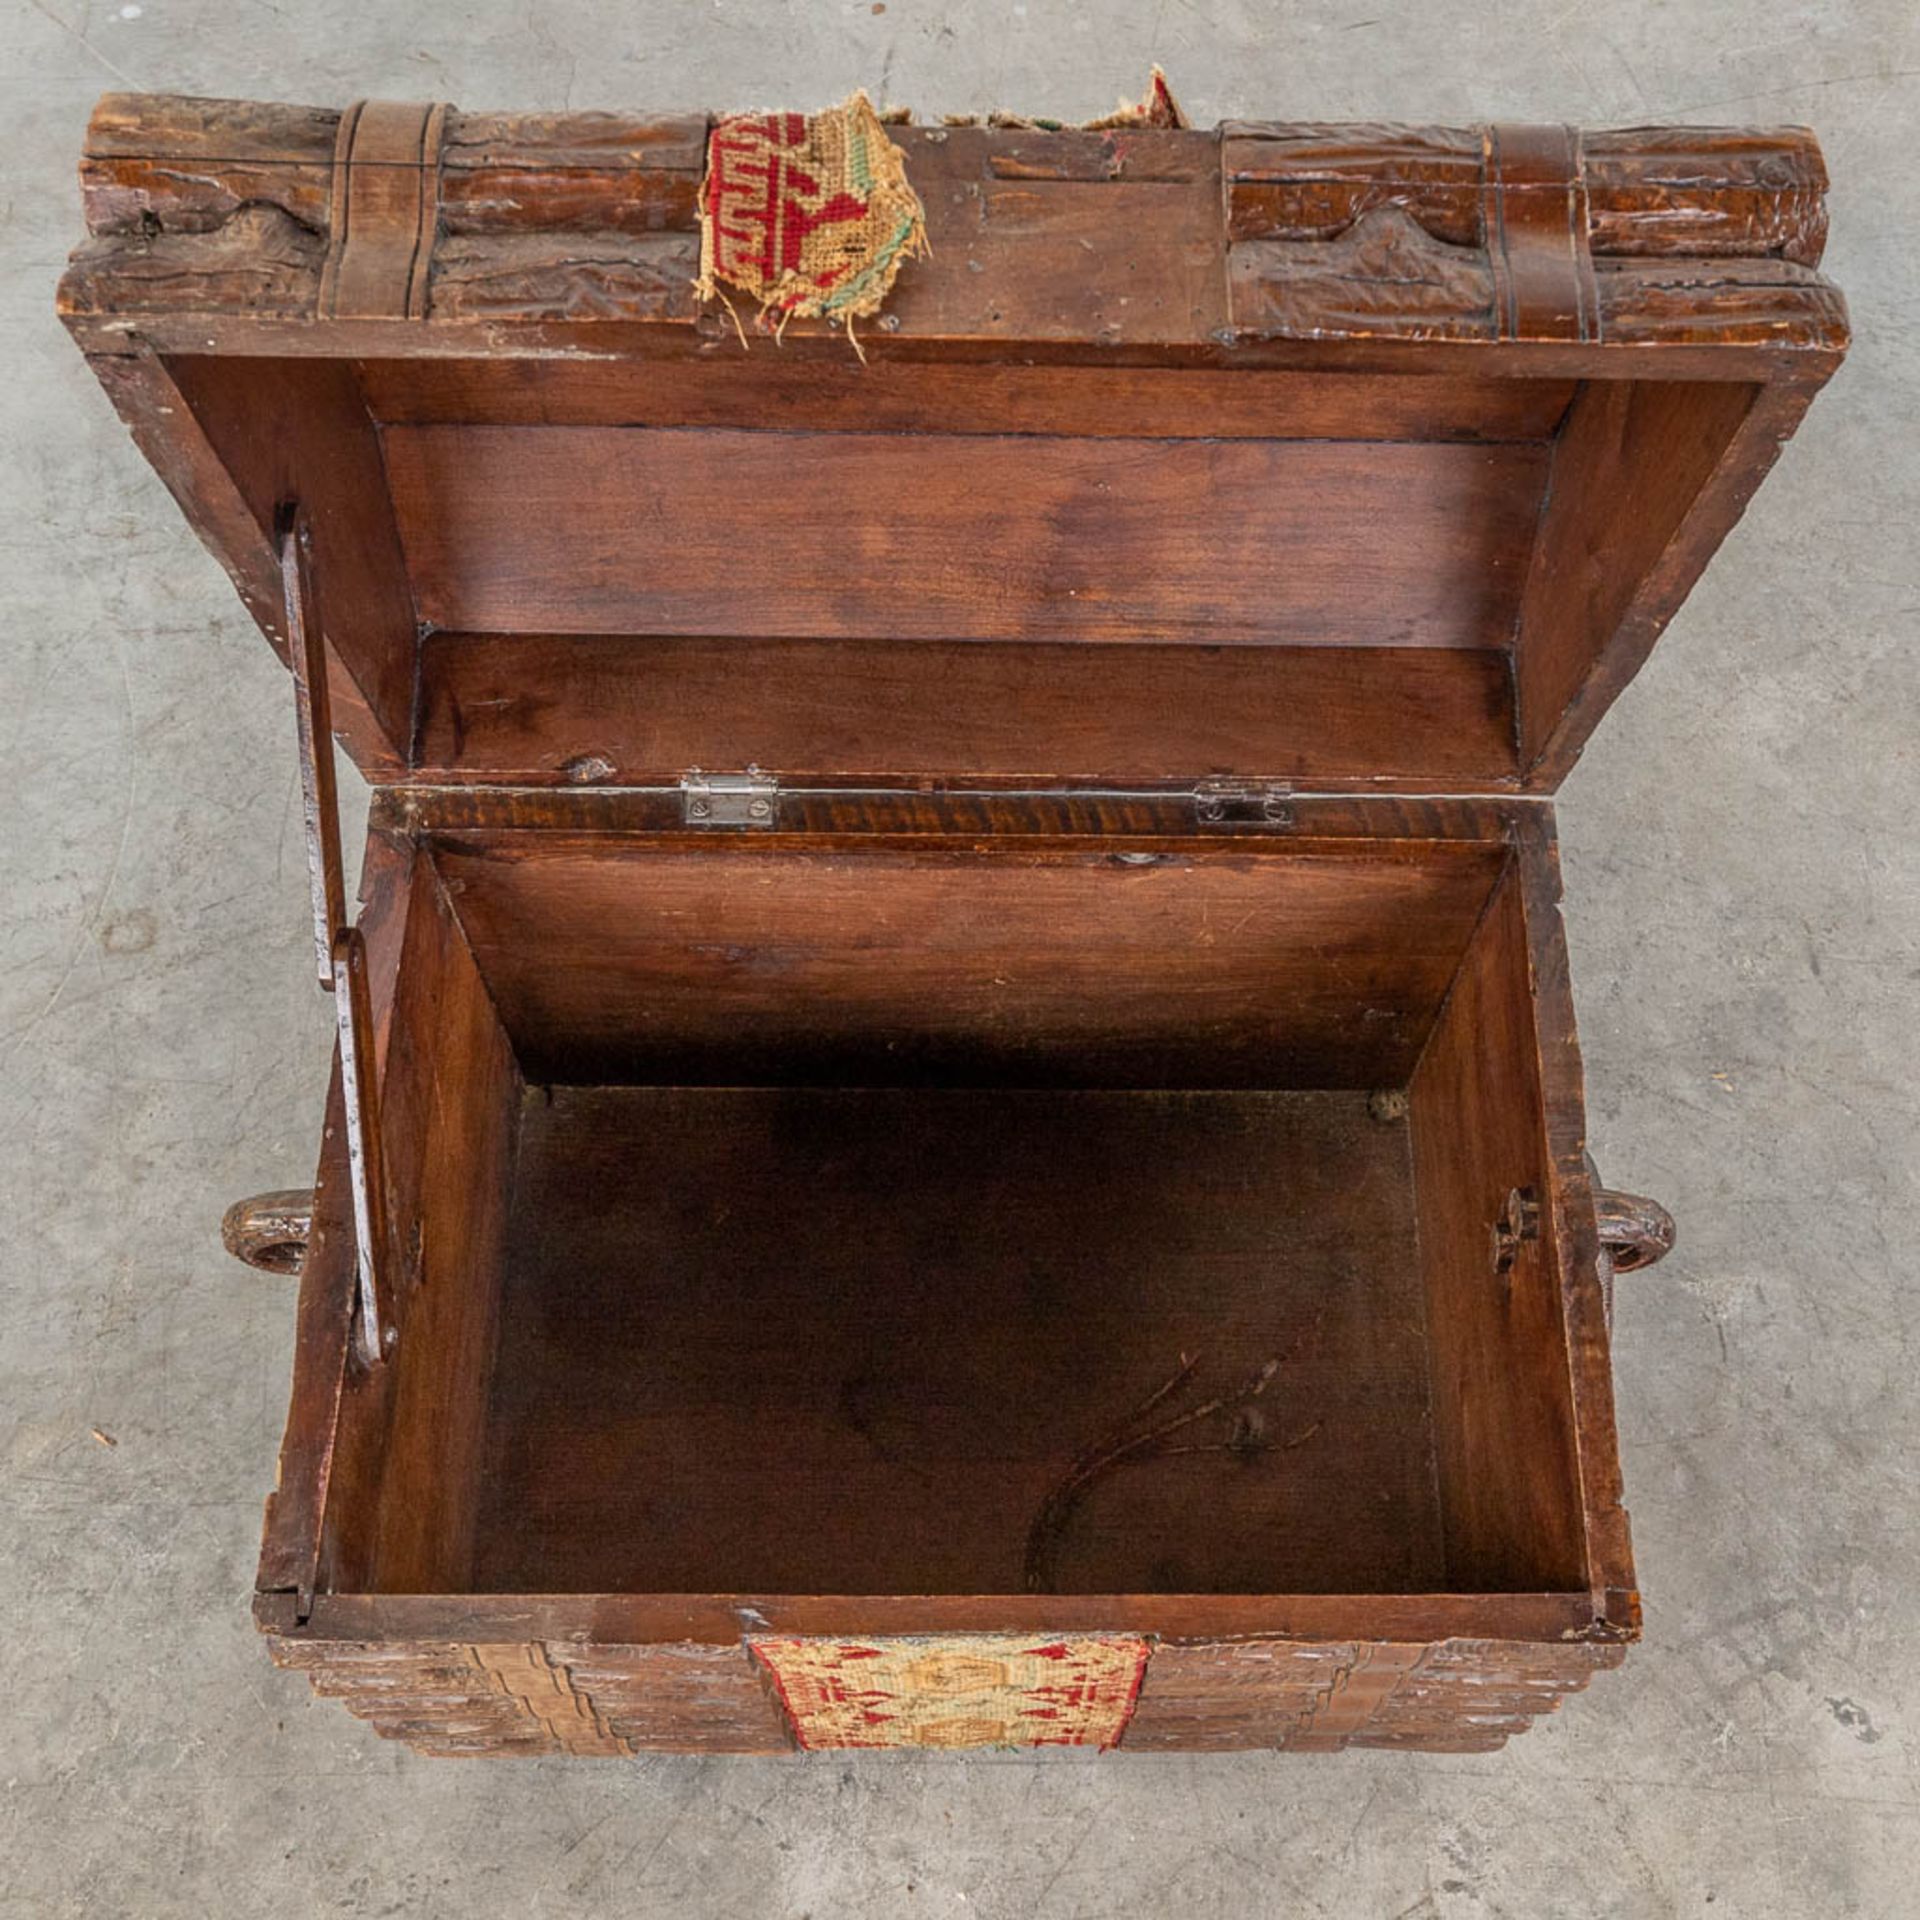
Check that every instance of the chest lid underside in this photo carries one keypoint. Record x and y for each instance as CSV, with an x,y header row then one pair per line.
x,y
1356,458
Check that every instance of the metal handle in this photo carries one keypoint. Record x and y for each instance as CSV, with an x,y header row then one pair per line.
x,y
270,1230
1635,1231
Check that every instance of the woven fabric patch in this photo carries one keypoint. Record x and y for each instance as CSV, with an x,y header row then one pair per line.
x,y
957,1690
810,215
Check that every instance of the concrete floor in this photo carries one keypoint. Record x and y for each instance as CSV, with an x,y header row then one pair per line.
x,y
1745,923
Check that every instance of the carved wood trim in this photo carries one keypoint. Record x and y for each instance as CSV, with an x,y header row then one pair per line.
x,y
1354,1700
1537,236
529,1674
1536,226
383,212
532,1697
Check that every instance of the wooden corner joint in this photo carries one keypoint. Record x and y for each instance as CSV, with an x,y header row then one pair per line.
x,y
383,211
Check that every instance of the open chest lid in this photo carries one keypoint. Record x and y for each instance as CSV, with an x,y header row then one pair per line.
x,y
1352,458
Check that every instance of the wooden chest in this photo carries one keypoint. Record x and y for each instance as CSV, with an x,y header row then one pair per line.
x,y
958,1119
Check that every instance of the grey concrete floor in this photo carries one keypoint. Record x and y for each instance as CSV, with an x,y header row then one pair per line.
x,y
1745,922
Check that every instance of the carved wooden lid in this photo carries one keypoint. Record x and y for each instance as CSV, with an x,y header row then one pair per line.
x,y
1366,458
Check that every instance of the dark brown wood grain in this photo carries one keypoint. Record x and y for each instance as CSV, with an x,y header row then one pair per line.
x,y
285,431
1649,190
1102,240
788,392
700,1381
1504,1426
531,529
448,1090
733,961
538,708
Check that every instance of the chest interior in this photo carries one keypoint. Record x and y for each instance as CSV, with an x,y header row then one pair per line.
x,y
883,1219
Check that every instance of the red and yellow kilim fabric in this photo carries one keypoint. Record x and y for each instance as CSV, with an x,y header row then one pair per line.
x,y
957,1690
810,215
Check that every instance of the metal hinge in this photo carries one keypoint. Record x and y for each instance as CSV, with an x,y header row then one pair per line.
x,y
340,951
1230,803
750,799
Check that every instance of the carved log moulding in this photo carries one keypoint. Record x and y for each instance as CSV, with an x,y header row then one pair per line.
x,y
1251,232
524,1698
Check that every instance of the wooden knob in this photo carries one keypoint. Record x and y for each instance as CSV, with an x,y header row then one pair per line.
x,y
270,1230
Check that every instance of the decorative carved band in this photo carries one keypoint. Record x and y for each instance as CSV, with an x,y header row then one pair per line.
x,y
1353,1701
945,1690
1537,234
545,1689
209,216
383,212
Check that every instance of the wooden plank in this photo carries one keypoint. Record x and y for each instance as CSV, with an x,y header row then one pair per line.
x,y
555,708
1647,481
791,394
720,1619
887,1384
1504,1420
1609,1545
412,1429
291,1554
280,431
1134,820
738,961
973,537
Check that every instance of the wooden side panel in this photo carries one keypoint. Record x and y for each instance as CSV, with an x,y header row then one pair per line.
x,y
785,393
311,1480
1648,478
1454,1696
156,411
1200,1697
638,531
679,960
285,430
412,1430
1472,1696
1507,1452
508,1700
1610,1572
550,709
519,1699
